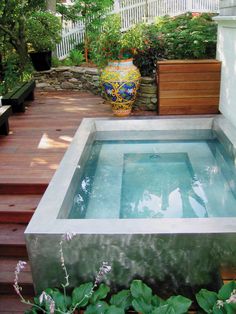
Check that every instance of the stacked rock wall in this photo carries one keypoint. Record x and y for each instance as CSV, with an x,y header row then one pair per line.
x,y
88,79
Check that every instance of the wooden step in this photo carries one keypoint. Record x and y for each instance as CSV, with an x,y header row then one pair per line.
x,y
12,242
17,208
22,188
11,304
7,269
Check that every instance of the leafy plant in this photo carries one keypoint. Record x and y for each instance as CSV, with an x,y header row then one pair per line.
x,y
152,49
91,13
223,302
76,56
113,44
146,303
43,31
13,17
188,36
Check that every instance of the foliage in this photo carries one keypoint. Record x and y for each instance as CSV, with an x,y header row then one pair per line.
x,y
188,36
113,44
76,56
43,31
152,49
139,298
13,16
12,74
183,37
90,12
223,302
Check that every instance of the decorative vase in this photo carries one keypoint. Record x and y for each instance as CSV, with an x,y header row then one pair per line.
x,y
120,82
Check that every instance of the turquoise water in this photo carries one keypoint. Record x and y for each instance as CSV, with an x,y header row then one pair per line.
x,y
155,179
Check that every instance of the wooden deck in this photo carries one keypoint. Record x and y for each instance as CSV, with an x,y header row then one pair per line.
x,y
29,156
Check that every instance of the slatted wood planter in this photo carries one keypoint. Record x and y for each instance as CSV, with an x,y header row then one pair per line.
x,y
188,86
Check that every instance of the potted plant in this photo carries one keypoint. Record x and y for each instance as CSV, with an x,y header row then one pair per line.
x,y
43,32
120,77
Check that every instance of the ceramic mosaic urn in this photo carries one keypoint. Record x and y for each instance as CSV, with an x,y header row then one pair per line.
x,y
120,82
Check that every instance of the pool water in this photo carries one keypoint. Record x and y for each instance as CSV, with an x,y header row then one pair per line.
x,y
155,179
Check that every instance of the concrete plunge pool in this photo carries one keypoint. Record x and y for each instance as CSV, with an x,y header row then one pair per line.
x,y
155,198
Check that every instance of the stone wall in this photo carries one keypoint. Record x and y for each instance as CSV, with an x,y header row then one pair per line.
x,y
69,78
147,95
87,79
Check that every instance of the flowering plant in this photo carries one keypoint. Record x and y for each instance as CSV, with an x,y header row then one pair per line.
x,y
222,302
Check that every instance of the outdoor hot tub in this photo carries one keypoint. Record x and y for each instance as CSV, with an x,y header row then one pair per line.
x,y
155,198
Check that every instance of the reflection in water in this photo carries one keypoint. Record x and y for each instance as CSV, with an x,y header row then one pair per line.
x,y
175,203
165,187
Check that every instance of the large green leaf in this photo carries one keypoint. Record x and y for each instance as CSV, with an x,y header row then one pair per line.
x,y
122,299
218,310
206,299
100,293
230,308
81,294
99,308
164,309
225,291
180,304
114,310
141,290
141,306
157,301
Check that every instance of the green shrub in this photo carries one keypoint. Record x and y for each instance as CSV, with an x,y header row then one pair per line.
x,y
152,50
188,36
76,57
12,74
113,44
43,31
223,302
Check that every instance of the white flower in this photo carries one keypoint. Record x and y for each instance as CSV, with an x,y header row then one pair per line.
x,y
219,304
48,299
232,298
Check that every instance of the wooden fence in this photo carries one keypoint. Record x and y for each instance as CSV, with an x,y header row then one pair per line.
x,y
133,12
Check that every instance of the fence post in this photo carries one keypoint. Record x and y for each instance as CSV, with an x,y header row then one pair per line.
x,y
117,6
146,12
189,6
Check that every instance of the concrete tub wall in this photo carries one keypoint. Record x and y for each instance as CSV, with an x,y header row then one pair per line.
x,y
226,52
228,7
173,262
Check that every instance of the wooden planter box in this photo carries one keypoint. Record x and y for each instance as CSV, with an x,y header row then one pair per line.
x,y
188,86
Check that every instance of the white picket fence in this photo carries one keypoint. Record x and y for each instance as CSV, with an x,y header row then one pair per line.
x,y
133,12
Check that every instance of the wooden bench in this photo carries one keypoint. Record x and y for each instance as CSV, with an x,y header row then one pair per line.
x,y
16,98
5,112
